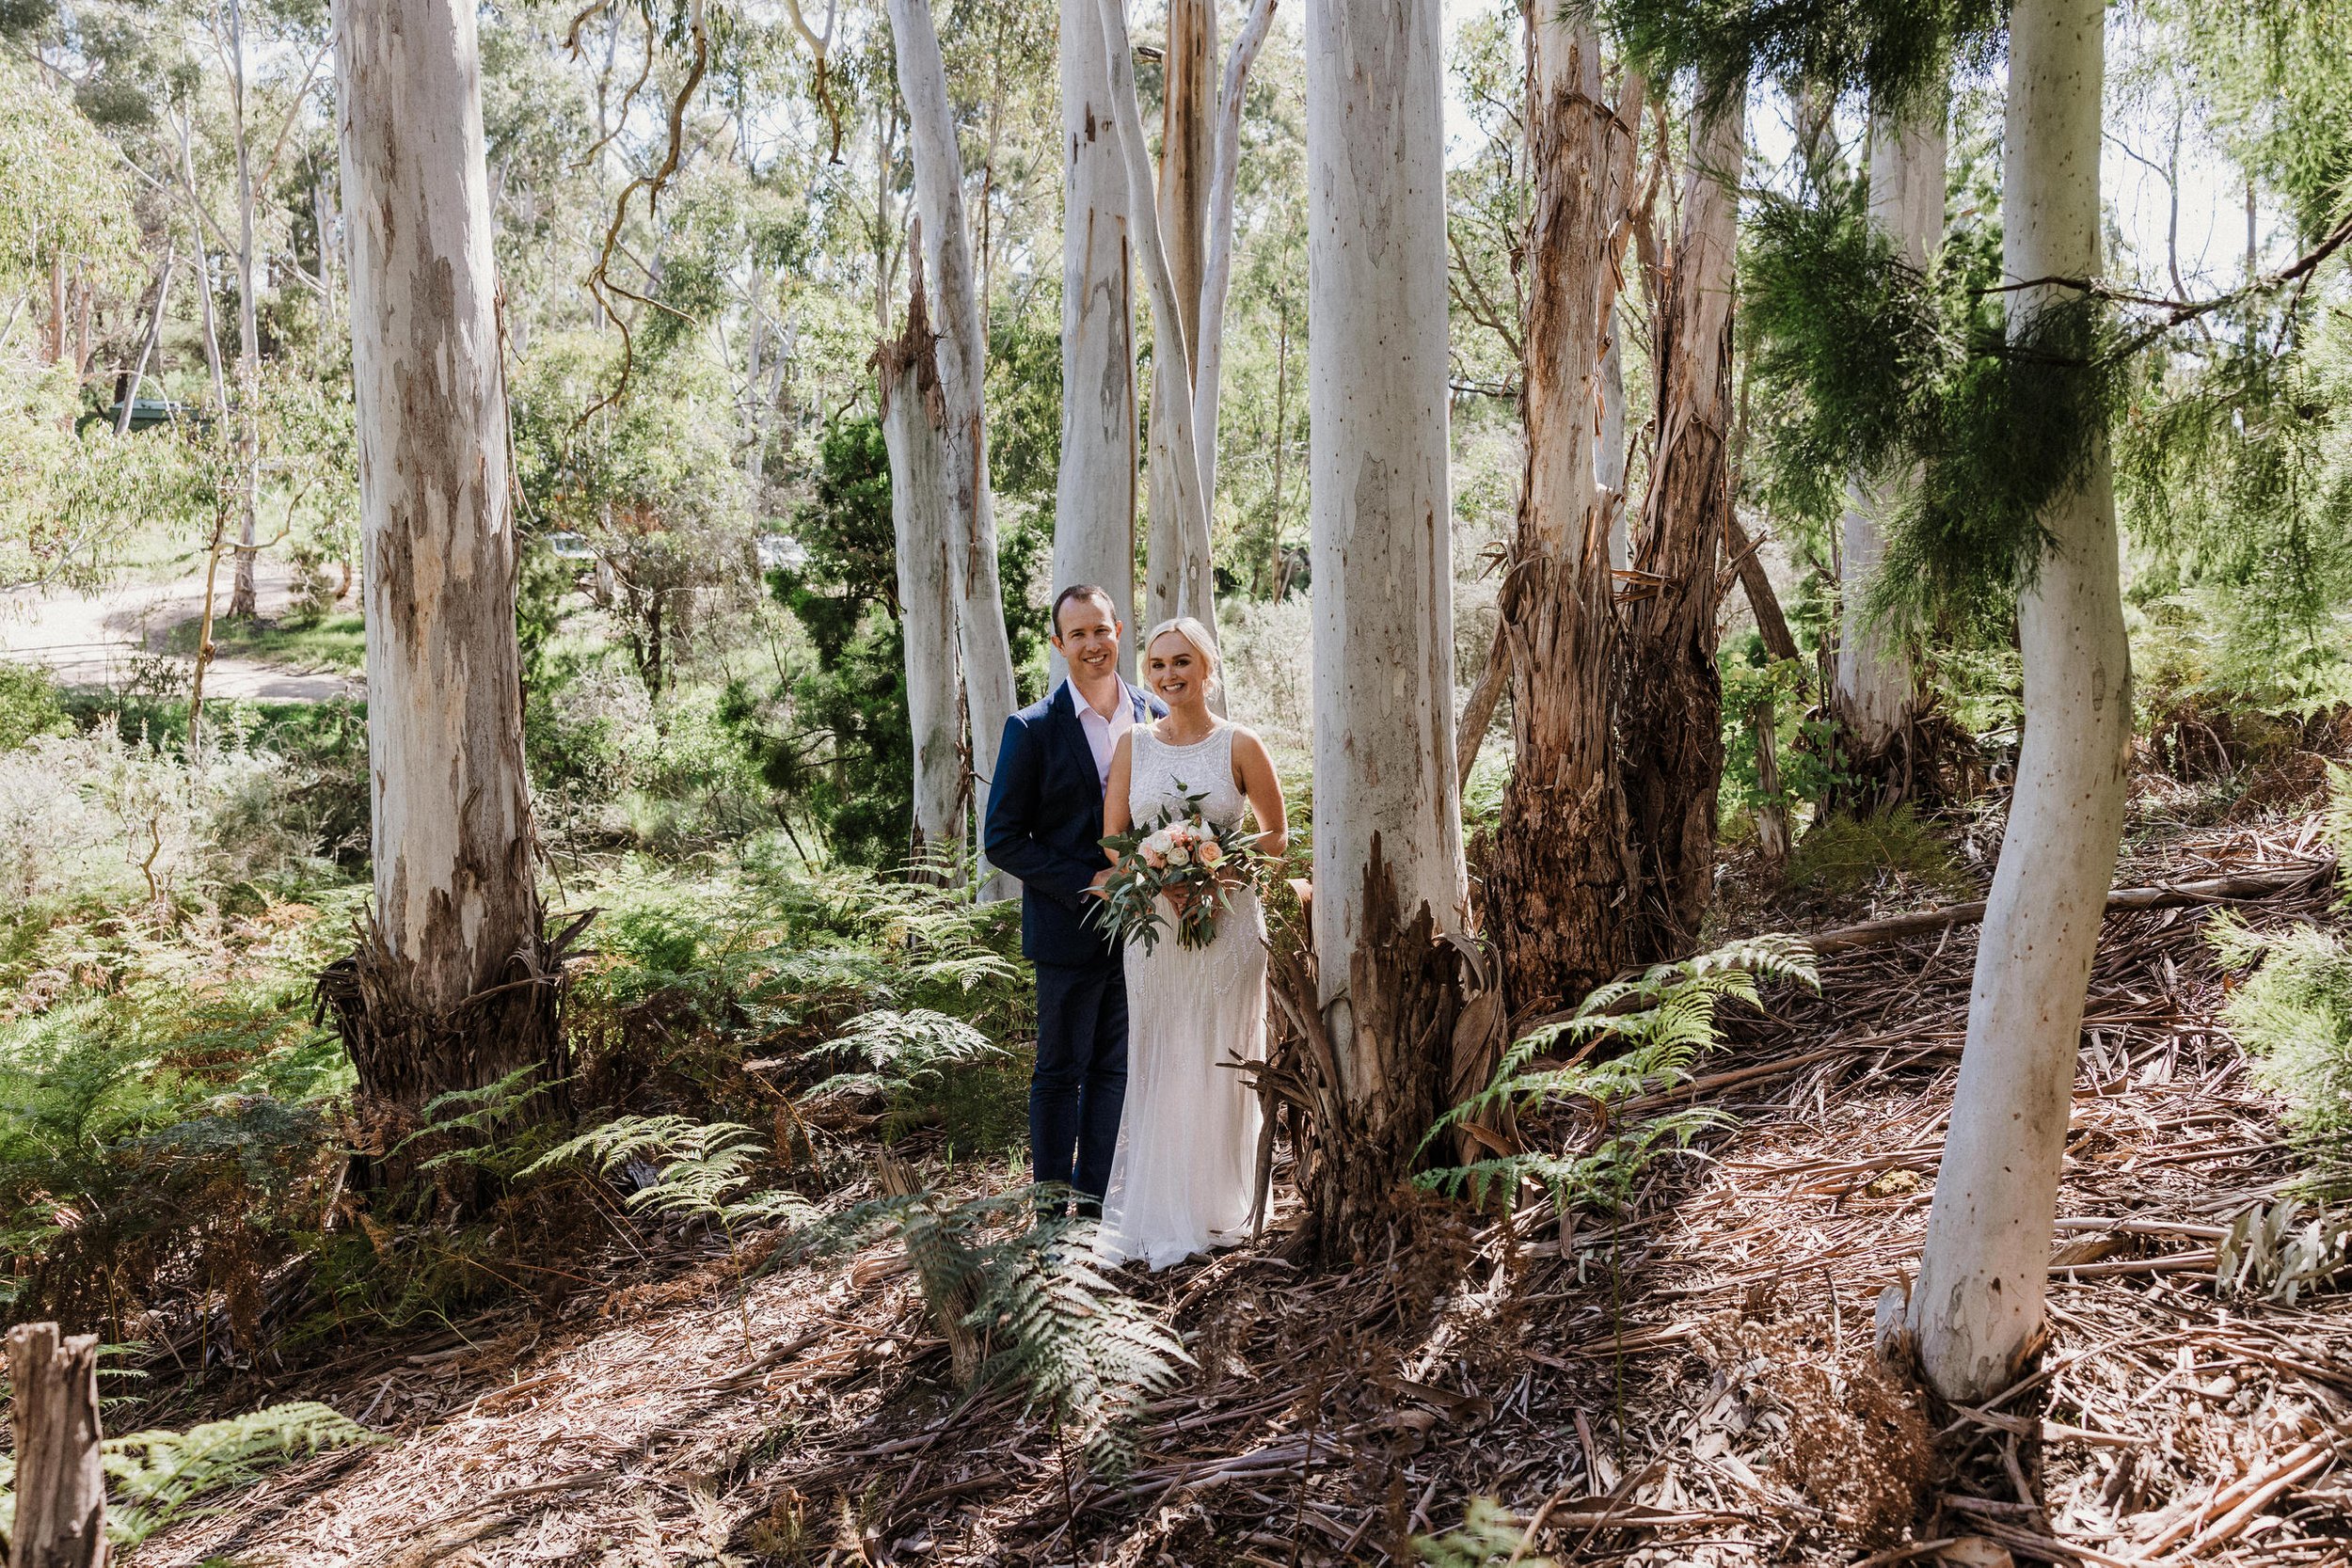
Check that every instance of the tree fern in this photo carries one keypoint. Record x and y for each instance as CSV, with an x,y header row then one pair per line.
x,y
1656,1025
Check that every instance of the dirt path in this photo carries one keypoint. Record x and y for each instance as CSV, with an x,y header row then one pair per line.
x,y
101,639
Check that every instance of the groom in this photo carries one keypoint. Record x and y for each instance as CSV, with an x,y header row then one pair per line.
x,y
1046,827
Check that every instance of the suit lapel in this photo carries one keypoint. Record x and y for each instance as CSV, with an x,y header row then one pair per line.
x,y
1068,734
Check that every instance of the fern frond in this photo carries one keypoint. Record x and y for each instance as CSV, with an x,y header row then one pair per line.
x,y
1663,1020
615,1143
477,1110
156,1475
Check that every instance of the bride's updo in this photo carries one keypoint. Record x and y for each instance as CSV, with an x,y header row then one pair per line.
x,y
1191,630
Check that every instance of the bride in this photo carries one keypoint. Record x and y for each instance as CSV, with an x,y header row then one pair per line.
x,y
1181,1180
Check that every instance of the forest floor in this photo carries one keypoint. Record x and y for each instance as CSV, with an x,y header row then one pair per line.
x,y
135,632
1693,1382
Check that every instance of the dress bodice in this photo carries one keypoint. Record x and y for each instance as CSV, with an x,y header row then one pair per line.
x,y
1159,776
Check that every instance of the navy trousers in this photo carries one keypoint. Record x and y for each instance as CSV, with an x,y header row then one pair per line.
x,y
1081,1079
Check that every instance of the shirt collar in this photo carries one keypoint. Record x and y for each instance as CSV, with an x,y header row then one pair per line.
x,y
1086,710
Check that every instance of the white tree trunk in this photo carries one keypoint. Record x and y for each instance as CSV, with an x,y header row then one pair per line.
x,y
1190,592
455,898
913,414
1177,559
1874,694
962,358
1379,508
1216,271
1976,1311
1094,491
243,603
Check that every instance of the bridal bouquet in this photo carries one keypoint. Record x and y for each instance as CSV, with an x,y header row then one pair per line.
x,y
1182,855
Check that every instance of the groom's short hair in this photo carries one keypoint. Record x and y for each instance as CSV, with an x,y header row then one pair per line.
x,y
1083,591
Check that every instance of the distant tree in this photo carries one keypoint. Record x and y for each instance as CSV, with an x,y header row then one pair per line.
x,y
1876,700
847,755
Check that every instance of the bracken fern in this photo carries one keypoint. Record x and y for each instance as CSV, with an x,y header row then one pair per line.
x,y
1656,1025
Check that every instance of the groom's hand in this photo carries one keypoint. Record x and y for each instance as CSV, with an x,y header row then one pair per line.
x,y
1101,879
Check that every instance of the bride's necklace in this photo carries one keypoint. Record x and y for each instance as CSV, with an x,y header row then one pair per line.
x,y
1168,738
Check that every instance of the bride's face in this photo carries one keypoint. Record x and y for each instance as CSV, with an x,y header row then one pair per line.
x,y
1177,672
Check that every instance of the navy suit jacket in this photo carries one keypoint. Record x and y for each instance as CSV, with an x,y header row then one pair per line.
x,y
1045,826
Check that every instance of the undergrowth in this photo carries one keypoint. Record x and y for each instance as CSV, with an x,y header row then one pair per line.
x,y
173,1130
1842,855
1631,1042
157,1478
2292,1013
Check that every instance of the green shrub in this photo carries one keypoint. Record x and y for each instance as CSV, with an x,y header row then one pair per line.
x,y
28,706
2292,1015
1842,855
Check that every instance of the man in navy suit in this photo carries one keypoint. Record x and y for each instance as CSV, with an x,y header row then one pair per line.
x,y
1046,827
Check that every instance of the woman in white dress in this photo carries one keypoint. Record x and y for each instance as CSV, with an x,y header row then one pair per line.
x,y
1183,1177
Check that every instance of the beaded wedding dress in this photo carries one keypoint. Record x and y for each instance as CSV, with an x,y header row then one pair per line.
x,y
1182,1177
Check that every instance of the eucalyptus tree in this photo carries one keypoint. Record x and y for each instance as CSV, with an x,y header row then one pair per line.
x,y
961,351
1176,542
913,415
1094,494
452,987
1183,227
1562,865
1976,1311
1670,709
1876,697
1388,848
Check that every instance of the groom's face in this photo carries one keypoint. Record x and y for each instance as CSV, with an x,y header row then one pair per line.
x,y
1087,636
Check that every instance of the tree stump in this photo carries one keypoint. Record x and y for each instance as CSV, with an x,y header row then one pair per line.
x,y
61,1488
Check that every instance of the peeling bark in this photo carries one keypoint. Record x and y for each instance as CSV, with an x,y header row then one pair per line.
x,y
914,419
1387,841
1670,712
1094,490
453,986
1561,876
1177,559
60,1485
961,351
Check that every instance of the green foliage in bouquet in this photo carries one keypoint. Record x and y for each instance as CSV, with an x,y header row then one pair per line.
x,y
1183,855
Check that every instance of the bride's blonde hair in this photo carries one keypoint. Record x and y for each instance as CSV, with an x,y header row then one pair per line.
x,y
1192,631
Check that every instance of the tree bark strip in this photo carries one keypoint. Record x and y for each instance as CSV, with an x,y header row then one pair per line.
x,y
1670,714
963,359
914,419
1560,878
1094,490
2210,890
1388,848
1176,549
